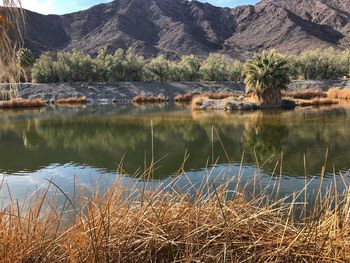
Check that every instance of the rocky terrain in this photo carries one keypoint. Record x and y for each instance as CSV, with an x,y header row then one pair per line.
x,y
176,27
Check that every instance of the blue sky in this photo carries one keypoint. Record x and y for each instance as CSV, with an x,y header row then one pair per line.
x,y
67,6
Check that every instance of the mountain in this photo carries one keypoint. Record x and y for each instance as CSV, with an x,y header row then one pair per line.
x,y
175,27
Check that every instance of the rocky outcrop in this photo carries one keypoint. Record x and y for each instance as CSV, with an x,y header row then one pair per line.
x,y
176,27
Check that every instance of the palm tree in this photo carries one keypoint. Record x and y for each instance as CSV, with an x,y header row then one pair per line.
x,y
266,74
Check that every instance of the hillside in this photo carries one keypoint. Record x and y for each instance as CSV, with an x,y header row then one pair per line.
x,y
174,27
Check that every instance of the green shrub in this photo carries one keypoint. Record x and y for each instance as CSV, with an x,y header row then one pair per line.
x,y
117,66
214,68
234,70
133,67
321,64
74,66
43,69
159,67
189,67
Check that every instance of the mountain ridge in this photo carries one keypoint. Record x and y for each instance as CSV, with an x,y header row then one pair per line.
x,y
177,27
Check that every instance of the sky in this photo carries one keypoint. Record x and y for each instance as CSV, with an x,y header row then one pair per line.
x,y
68,6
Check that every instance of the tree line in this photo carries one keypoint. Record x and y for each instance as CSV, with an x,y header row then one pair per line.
x,y
124,65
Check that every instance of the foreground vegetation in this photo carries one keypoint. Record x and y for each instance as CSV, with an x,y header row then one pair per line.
x,y
167,225
126,66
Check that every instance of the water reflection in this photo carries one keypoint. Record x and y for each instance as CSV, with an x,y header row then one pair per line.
x,y
99,137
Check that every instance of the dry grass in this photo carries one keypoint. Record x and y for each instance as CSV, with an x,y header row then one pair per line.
x,y
184,98
80,100
212,95
221,95
306,95
147,99
168,226
22,103
338,93
315,102
12,23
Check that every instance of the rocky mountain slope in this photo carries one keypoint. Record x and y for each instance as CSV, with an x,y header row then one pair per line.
x,y
175,27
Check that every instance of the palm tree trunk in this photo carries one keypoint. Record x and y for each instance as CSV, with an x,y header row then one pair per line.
x,y
269,98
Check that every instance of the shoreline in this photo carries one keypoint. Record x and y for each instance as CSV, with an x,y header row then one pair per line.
x,y
107,93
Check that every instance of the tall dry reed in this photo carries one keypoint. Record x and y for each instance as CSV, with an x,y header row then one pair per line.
x,y
11,39
163,224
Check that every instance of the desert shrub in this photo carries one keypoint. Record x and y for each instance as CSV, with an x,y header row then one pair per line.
x,y
159,67
186,69
214,68
175,71
133,66
43,69
189,67
74,66
117,66
234,70
321,65
103,66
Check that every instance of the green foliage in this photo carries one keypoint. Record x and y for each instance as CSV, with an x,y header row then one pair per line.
x,y
74,66
214,68
189,67
266,70
267,73
159,68
43,69
234,70
126,66
132,66
325,64
25,57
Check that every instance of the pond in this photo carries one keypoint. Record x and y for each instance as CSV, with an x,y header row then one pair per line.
x,y
89,143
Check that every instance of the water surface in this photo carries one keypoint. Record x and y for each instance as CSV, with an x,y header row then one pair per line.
x,y
89,143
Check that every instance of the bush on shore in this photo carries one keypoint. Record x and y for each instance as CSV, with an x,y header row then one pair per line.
x,y
126,66
321,64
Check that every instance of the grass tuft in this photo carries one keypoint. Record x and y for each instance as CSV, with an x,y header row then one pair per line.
x,y
22,103
221,95
147,99
315,102
306,94
338,93
79,100
184,97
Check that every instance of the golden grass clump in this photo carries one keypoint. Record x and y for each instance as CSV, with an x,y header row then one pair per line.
x,y
339,93
184,97
12,22
79,100
22,103
306,94
147,99
315,102
220,95
169,226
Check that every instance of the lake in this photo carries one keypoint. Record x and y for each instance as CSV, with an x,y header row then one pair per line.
x,y
87,144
